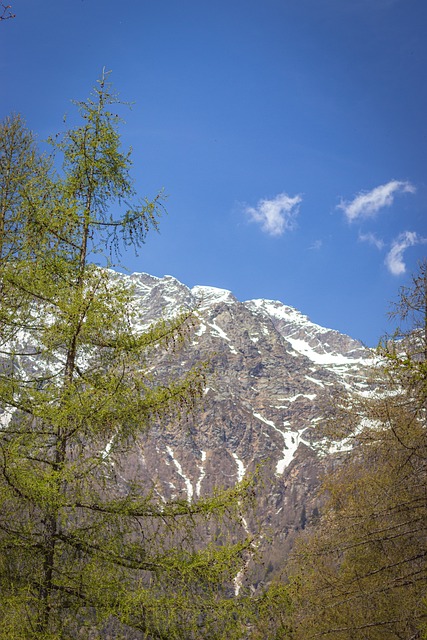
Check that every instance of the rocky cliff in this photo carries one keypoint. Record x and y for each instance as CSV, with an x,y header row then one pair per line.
x,y
270,373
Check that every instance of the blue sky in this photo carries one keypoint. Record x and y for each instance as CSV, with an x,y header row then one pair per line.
x,y
289,135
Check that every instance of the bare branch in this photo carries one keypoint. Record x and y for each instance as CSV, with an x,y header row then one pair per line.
x,y
5,11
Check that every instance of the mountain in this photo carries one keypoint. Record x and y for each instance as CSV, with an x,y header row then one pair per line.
x,y
270,375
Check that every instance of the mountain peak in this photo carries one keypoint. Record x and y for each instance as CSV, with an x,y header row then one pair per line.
x,y
207,296
278,310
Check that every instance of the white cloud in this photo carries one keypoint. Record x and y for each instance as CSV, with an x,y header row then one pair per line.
x,y
317,244
371,238
277,215
367,204
394,259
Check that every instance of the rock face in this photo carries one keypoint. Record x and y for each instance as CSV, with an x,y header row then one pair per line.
x,y
269,373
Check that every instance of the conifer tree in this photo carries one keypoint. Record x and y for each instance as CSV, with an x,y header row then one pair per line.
x,y
81,554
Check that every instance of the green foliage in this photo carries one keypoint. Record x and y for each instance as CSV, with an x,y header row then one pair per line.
x,y
362,573
80,553
273,618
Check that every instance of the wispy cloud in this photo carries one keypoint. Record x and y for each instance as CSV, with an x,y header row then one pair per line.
x,y
371,238
276,215
394,259
317,244
367,204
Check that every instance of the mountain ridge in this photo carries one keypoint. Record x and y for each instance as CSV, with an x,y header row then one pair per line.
x,y
270,373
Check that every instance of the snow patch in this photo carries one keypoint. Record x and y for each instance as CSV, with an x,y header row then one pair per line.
x,y
240,467
280,311
200,329
309,396
219,331
106,452
6,417
202,474
187,482
320,384
324,358
208,296
291,441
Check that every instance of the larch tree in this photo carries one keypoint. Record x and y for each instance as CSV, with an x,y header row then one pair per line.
x,y
82,555
361,574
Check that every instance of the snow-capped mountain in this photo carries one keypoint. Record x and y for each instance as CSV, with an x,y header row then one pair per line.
x,y
270,373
